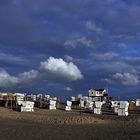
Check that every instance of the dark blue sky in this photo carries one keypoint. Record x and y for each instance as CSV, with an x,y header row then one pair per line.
x,y
65,47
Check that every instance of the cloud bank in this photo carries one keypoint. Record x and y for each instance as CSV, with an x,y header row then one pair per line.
x,y
53,68
127,79
6,80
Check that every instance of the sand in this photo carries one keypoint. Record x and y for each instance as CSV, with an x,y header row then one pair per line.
x,y
57,124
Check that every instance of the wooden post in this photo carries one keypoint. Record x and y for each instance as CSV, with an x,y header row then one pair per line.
x,y
9,98
7,101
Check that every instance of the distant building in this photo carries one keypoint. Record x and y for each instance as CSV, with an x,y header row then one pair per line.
x,y
98,93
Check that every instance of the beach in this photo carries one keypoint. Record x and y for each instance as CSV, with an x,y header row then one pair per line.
x,y
57,124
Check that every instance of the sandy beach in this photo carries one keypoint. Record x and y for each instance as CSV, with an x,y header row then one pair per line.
x,y
48,125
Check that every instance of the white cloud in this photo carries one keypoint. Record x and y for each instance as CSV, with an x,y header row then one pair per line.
x,y
68,58
61,70
127,78
10,58
77,42
122,45
106,56
6,80
132,59
27,76
70,43
92,26
107,80
114,67
85,41
68,89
